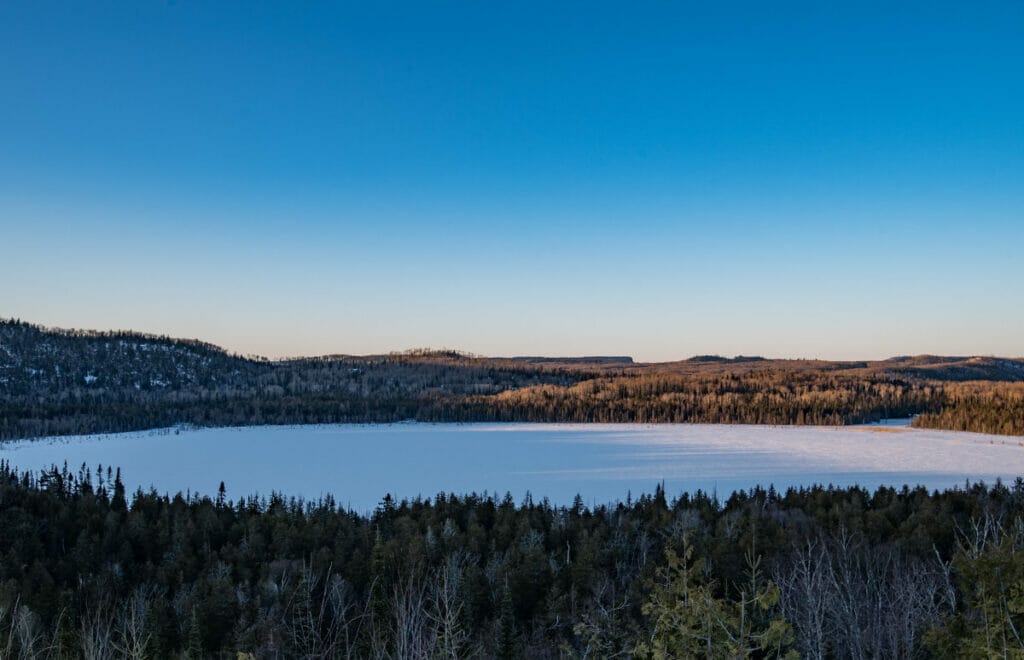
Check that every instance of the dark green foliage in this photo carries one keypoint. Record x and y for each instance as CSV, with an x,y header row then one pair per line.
x,y
56,382
479,575
506,645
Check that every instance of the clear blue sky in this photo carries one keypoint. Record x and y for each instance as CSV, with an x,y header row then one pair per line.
x,y
656,179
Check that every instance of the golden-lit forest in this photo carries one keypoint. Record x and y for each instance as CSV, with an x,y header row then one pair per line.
x,y
979,406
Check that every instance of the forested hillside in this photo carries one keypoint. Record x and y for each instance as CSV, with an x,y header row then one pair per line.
x,y
55,382
87,568
980,406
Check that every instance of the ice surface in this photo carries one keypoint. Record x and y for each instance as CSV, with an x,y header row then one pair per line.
x,y
358,464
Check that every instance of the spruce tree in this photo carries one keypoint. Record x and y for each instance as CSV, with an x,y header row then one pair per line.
x,y
507,627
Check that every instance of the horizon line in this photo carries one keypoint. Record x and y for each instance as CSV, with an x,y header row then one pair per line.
x,y
427,351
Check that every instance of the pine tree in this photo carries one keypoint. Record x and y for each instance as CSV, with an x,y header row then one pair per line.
x,y
118,503
507,646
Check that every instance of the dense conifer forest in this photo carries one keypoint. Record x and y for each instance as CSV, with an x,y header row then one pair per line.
x,y
58,382
88,570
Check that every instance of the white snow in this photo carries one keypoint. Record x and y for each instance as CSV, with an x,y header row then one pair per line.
x,y
360,463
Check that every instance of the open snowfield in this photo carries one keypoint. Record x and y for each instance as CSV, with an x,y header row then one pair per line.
x,y
360,463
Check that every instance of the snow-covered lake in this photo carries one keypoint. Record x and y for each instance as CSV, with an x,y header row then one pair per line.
x,y
360,463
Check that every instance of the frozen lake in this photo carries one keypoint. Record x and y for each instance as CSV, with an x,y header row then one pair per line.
x,y
360,463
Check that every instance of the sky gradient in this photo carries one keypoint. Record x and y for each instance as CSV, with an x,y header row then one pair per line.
x,y
783,179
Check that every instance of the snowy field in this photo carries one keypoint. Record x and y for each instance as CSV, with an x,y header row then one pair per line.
x,y
360,463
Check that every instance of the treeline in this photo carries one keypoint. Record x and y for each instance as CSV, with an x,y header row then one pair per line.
x,y
752,398
756,397
53,366
981,407
85,416
62,382
89,570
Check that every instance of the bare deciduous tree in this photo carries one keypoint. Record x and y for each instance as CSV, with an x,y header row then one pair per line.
x,y
323,622
446,607
411,633
845,599
96,634
133,630
804,586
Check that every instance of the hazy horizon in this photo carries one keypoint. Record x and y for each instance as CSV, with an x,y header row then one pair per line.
x,y
525,355
792,181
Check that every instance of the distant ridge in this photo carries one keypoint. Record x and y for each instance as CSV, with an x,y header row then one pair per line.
x,y
934,366
719,358
592,359
58,382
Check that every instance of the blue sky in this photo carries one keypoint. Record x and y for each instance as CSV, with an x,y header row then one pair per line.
x,y
655,179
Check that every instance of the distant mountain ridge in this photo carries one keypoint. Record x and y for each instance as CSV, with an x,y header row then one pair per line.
x,y
38,348
592,359
960,368
55,381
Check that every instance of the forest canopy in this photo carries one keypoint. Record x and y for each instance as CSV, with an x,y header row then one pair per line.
x,y
819,572
58,382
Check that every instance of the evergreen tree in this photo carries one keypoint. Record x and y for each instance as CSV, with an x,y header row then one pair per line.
x,y
507,644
